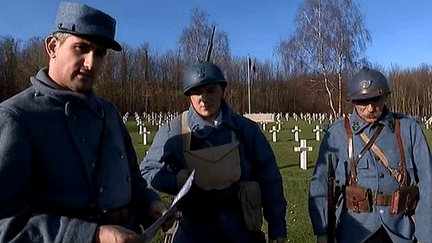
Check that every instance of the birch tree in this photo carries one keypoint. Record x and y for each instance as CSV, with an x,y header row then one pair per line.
x,y
329,39
194,39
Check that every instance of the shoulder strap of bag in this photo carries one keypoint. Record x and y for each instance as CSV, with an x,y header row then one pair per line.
x,y
401,151
354,160
185,130
400,176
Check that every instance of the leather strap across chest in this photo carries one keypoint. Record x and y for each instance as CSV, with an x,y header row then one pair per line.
x,y
400,176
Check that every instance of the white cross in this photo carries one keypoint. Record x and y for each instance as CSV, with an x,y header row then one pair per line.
x,y
140,125
296,131
303,149
144,133
317,131
274,131
125,117
279,124
263,125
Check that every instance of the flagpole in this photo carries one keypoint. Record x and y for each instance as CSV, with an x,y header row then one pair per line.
x,y
248,80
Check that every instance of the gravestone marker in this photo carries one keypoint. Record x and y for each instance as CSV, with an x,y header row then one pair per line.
x,y
296,131
303,149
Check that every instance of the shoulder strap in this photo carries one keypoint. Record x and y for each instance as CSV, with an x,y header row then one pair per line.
x,y
400,176
185,130
401,151
353,160
349,137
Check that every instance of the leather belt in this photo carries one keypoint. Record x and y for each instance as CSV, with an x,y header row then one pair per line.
x,y
381,199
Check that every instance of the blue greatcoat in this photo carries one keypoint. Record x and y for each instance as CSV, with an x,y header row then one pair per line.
x,y
218,208
50,148
357,227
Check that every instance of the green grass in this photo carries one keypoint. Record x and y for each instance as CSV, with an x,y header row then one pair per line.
x,y
295,180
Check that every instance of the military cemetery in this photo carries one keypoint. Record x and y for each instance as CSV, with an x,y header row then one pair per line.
x,y
295,140
144,79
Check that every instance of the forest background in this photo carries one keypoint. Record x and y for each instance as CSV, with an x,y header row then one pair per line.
x,y
311,75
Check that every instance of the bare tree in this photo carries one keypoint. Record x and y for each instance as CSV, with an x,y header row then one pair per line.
x,y
329,38
349,40
193,40
8,66
31,59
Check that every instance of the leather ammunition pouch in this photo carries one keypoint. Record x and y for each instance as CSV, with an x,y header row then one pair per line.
x,y
358,199
404,200
250,198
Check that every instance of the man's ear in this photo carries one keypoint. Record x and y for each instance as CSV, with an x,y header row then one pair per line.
x,y
51,46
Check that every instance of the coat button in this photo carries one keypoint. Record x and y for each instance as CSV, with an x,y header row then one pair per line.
x,y
381,175
101,189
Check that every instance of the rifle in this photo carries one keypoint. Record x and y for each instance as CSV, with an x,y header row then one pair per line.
x,y
331,206
209,46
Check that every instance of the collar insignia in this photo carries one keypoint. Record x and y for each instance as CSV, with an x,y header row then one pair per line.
x,y
356,126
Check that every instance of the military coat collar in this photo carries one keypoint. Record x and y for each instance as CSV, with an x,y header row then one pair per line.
x,y
358,125
202,129
44,86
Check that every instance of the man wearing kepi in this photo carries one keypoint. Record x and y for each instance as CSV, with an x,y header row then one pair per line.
x,y
234,167
382,162
68,170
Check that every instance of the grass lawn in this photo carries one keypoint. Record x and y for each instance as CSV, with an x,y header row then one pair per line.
x,y
295,180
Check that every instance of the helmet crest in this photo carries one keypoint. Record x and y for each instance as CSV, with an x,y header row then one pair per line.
x,y
366,84
200,74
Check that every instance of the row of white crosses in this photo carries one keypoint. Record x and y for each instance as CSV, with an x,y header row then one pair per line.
x,y
142,129
317,130
427,122
303,148
158,119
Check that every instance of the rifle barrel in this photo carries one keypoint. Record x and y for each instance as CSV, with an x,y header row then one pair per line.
x,y
209,46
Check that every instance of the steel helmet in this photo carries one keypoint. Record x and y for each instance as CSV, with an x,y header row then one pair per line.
x,y
200,74
366,84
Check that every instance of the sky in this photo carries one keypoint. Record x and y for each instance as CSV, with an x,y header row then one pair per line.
x,y
401,30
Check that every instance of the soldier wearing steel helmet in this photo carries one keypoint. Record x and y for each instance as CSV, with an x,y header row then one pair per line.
x,y
227,152
382,162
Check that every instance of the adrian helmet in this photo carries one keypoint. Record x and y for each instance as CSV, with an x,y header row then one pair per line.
x,y
200,74
366,84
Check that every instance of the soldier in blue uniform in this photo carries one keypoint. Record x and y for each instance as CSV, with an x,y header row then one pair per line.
x,y
386,188
228,152
68,170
